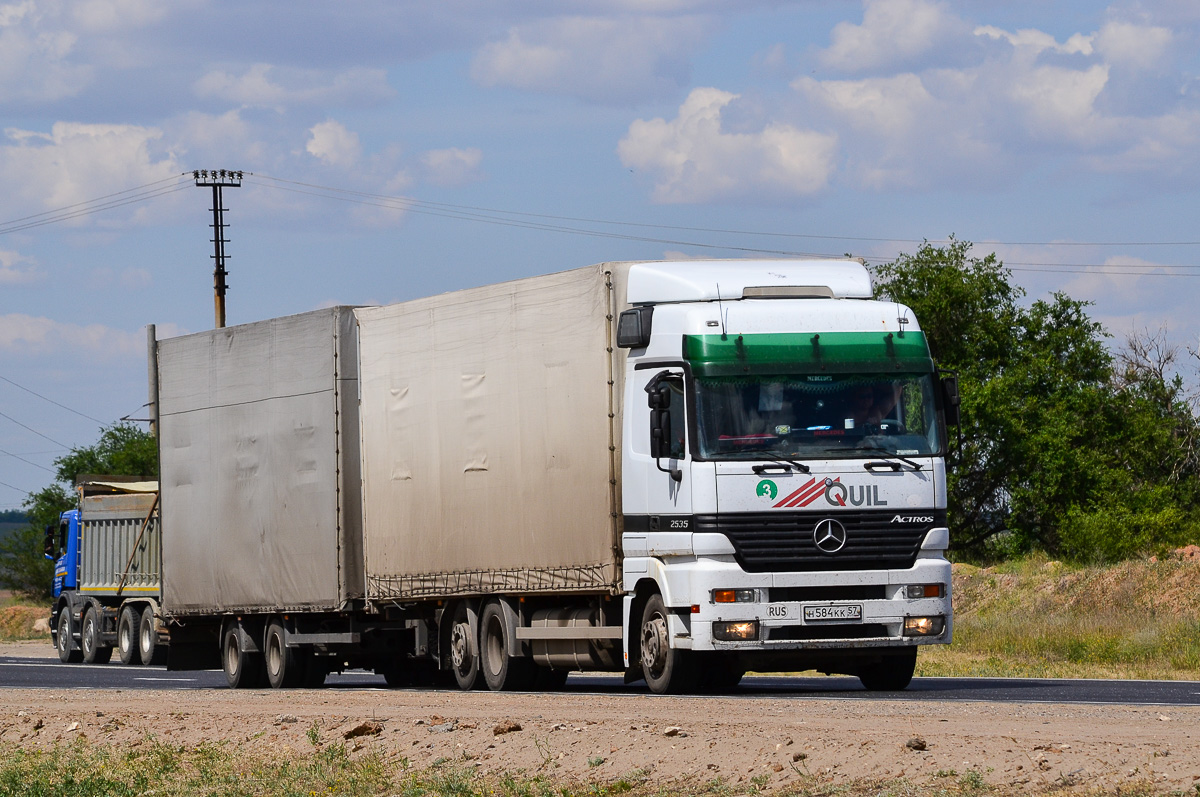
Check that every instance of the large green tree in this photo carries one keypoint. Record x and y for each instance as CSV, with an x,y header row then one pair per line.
x,y
1065,448
122,450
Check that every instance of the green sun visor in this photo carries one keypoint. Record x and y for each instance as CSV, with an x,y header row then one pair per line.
x,y
807,353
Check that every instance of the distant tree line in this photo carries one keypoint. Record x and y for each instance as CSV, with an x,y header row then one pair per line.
x,y
1068,447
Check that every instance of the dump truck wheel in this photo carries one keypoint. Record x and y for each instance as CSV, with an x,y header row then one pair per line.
x,y
67,653
94,651
127,636
148,647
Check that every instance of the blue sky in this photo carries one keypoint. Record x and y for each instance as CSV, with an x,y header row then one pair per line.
x,y
391,146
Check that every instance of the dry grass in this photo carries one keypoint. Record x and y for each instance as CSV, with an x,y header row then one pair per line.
x,y
18,621
1041,618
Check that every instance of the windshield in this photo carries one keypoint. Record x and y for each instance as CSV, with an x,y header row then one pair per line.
x,y
816,416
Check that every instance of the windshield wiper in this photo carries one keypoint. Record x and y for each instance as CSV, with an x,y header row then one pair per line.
x,y
800,466
890,455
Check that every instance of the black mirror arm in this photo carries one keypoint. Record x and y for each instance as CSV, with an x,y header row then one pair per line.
x,y
676,473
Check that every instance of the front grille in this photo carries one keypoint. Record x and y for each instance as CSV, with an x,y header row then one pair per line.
x,y
809,633
850,592
783,541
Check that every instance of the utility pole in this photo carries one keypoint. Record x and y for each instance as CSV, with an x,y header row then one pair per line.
x,y
218,179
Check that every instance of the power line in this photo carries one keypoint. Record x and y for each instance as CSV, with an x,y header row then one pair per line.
x,y
118,199
52,401
26,461
35,431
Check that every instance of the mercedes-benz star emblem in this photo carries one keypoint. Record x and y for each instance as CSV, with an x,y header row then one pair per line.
x,y
829,536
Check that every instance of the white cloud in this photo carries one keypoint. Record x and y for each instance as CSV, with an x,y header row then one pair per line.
x,y
36,55
1134,46
28,334
453,166
264,85
77,162
608,60
695,160
105,15
893,32
16,269
332,143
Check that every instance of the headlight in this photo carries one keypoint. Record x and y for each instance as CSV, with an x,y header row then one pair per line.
x,y
734,595
736,631
924,626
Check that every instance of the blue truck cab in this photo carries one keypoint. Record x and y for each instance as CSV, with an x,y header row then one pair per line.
x,y
62,548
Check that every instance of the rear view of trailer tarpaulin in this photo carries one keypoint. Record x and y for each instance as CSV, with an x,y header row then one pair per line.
x,y
489,439
258,440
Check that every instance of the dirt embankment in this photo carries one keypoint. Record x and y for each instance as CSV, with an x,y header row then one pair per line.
x,y
751,744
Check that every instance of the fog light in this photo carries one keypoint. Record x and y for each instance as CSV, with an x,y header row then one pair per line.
x,y
734,596
924,626
918,591
735,632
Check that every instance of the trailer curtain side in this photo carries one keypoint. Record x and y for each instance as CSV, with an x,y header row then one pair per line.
x,y
490,434
259,459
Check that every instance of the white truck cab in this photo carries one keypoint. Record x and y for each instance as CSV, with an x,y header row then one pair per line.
x,y
783,475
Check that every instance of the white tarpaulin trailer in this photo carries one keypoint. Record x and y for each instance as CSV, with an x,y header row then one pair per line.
x,y
258,440
491,438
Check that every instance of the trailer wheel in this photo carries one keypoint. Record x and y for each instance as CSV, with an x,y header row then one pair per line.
x,y
667,670
94,650
284,670
148,647
243,670
127,636
67,653
892,674
464,653
501,672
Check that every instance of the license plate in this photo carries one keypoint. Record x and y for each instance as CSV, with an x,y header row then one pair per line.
x,y
846,613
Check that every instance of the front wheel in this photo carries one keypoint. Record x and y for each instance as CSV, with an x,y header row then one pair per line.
x,y
667,670
127,636
94,650
892,673
67,653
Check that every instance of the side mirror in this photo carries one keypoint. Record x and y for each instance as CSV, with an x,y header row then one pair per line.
x,y
48,546
951,400
658,397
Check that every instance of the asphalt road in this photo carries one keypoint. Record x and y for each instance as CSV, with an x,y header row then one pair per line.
x,y
26,673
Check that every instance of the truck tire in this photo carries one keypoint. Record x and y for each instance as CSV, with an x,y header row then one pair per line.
x,y
127,636
284,670
464,650
892,674
667,670
148,648
243,670
67,652
94,649
501,672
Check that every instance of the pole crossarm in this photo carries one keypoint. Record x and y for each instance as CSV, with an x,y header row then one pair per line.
x,y
218,179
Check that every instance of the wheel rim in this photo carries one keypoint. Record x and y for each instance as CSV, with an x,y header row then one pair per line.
x,y
274,654
89,634
232,654
654,645
494,644
64,630
460,647
145,640
125,635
